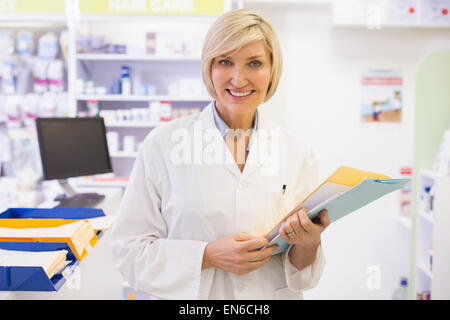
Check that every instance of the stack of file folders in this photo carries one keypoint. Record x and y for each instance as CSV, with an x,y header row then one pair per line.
x,y
40,247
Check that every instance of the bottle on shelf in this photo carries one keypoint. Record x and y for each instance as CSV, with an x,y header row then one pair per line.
x,y
166,110
125,81
405,195
425,295
401,293
425,200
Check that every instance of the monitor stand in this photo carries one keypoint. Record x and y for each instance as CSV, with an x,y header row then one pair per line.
x,y
72,199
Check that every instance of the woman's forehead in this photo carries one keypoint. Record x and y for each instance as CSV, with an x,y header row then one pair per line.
x,y
251,50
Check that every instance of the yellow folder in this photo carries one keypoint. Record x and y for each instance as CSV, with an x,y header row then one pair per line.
x,y
78,234
343,192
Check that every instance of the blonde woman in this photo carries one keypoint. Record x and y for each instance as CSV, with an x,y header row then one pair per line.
x,y
205,189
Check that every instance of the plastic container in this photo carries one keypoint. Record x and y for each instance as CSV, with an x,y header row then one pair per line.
x,y
125,80
166,111
25,43
401,293
425,200
126,86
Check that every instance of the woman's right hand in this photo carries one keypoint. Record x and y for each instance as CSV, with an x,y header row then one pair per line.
x,y
238,253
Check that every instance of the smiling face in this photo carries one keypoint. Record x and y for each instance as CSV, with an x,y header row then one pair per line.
x,y
241,79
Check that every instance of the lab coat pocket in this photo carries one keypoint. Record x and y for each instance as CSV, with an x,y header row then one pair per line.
x,y
286,294
276,206
274,209
280,204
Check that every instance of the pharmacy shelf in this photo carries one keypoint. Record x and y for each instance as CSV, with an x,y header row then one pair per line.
x,y
426,216
432,232
165,70
425,269
121,97
33,20
85,17
132,124
123,154
430,174
136,57
390,26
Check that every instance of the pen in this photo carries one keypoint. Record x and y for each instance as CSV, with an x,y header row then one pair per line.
x,y
283,192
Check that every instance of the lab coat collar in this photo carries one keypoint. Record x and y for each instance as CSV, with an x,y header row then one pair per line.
x,y
264,150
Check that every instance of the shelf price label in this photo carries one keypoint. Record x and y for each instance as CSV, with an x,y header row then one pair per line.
x,y
32,7
154,7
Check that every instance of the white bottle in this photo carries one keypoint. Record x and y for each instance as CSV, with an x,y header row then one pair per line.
x,y
401,293
154,111
126,86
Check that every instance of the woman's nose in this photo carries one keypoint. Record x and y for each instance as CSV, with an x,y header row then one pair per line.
x,y
239,78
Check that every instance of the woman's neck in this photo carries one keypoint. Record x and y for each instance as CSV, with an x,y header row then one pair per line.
x,y
236,121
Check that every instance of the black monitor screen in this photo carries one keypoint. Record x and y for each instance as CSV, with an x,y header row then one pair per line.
x,y
72,147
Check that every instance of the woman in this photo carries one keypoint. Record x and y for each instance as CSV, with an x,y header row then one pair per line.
x,y
205,189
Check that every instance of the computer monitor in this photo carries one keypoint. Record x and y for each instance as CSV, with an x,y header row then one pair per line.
x,y
73,147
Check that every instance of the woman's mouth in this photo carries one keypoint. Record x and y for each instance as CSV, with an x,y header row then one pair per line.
x,y
239,95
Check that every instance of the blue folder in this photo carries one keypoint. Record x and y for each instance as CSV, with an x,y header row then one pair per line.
x,y
353,199
53,213
24,278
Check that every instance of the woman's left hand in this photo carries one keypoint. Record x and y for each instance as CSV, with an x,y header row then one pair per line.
x,y
304,235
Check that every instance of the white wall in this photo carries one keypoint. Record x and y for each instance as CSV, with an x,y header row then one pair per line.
x,y
319,98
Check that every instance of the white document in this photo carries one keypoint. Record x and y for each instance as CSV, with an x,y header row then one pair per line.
x,y
101,223
50,261
65,230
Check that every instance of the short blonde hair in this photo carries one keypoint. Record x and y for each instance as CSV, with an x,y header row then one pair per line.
x,y
233,30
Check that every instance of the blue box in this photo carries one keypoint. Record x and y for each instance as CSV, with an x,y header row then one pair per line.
x,y
22,278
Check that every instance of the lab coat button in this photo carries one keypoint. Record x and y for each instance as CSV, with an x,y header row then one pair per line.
x,y
240,287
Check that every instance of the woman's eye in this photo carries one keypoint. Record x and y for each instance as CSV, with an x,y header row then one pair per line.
x,y
255,63
225,62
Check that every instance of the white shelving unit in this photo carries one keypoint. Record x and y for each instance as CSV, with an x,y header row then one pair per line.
x,y
119,97
382,14
161,69
130,57
124,124
124,154
433,232
37,25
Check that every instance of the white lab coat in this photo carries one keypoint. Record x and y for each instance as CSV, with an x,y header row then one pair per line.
x,y
172,208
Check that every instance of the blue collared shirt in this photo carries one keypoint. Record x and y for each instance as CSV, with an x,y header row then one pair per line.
x,y
223,127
